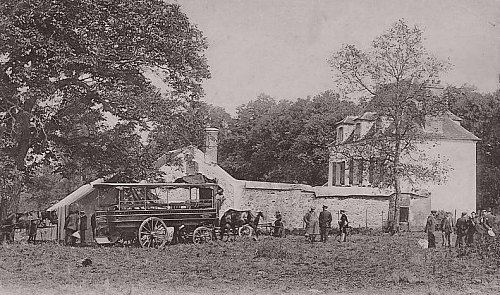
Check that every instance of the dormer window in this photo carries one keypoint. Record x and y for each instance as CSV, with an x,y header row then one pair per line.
x,y
340,135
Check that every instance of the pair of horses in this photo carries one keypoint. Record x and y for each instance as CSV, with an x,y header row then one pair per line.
x,y
27,220
235,219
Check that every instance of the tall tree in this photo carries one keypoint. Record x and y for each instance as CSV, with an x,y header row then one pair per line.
x,y
481,116
66,67
283,141
395,74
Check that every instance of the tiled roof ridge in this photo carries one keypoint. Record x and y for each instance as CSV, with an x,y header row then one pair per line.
x,y
452,130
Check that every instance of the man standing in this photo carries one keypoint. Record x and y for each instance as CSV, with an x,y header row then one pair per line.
x,y
461,229
430,226
70,227
325,222
83,227
278,225
447,229
343,224
488,219
471,229
311,223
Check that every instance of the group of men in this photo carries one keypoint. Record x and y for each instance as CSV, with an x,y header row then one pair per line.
x,y
320,225
76,222
466,227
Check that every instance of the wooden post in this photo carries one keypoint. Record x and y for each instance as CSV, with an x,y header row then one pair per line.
x,y
366,217
382,220
119,200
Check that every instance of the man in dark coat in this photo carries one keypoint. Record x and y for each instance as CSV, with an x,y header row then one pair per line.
x,y
461,229
278,225
93,225
325,222
343,225
32,230
447,229
430,227
83,227
70,227
471,229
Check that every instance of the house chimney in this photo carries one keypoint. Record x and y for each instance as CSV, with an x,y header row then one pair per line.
x,y
211,145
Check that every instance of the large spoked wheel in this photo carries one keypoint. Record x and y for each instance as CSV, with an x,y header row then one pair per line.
x,y
153,233
245,231
202,235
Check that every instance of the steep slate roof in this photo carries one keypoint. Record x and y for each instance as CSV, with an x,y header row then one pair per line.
x,y
349,120
453,116
451,129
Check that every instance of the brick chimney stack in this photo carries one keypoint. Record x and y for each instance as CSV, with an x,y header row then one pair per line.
x,y
211,142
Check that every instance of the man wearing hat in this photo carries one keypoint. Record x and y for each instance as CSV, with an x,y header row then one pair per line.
x,y
311,225
278,225
325,222
461,229
343,224
430,227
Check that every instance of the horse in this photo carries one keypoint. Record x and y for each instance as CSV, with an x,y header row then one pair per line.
x,y
7,228
235,219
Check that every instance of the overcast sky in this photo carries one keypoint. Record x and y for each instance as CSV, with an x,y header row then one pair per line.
x,y
280,47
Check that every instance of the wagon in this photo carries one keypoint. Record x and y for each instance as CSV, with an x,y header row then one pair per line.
x,y
154,214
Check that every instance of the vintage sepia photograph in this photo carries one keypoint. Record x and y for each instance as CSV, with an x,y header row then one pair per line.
x,y
249,147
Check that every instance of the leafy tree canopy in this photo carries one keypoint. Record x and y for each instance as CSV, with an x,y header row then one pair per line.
x,y
70,67
283,141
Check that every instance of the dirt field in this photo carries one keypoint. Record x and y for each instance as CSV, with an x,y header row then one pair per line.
x,y
377,264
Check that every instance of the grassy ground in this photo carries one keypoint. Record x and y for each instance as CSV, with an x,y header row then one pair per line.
x,y
377,264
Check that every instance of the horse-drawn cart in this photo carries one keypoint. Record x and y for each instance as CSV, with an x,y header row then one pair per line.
x,y
154,214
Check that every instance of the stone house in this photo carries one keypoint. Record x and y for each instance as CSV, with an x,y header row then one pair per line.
x,y
366,206
442,138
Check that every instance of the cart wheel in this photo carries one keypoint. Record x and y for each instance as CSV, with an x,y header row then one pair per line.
x,y
202,235
245,231
153,233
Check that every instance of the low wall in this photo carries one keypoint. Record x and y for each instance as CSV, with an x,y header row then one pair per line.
x,y
294,201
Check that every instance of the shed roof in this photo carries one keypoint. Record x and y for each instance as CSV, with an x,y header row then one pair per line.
x,y
76,195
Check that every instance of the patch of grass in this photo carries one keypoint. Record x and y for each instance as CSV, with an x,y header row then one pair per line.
x,y
380,264
273,249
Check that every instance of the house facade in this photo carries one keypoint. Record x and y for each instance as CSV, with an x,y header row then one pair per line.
x,y
443,141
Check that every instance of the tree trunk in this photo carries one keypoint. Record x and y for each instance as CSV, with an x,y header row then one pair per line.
x,y
394,202
10,192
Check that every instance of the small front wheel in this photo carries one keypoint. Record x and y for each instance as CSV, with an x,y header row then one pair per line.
x,y
202,235
245,231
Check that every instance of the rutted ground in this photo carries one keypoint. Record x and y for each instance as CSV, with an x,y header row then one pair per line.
x,y
366,264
